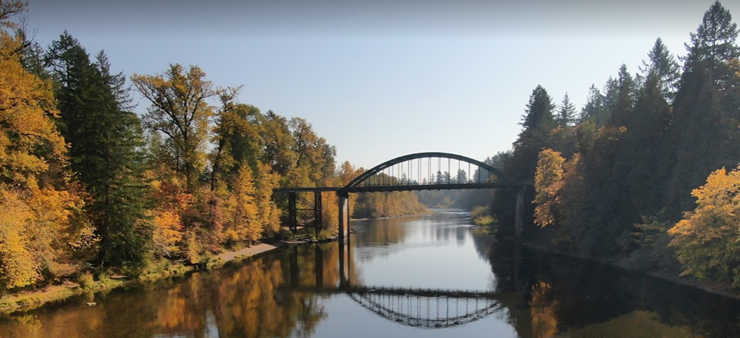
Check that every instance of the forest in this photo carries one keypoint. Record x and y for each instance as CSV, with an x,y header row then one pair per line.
x,y
88,185
646,175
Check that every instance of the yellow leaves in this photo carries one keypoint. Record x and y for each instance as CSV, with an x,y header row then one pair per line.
x,y
16,261
167,233
37,231
707,240
548,180
25,125
543,311
241,218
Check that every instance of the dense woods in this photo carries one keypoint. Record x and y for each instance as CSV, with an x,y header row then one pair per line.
x,y
645,174
88,184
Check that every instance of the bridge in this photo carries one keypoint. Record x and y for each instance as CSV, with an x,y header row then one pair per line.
x,y
416,307
414,172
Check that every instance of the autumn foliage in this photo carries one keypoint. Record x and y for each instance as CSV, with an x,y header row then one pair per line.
x,y
707,239
548,179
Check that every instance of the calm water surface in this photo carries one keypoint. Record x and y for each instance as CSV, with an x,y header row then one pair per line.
x,y
430,276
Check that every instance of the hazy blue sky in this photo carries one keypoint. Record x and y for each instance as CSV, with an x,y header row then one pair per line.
x,y
380,79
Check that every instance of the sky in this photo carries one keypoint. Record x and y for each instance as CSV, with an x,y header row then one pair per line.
x,y
381,79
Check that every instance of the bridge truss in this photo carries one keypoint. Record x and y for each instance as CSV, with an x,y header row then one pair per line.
x,y
420,171
421,308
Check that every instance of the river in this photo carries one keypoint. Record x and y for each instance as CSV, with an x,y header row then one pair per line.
x,y
427,276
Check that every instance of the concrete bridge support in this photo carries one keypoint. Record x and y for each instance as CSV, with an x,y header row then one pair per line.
x,y
343,200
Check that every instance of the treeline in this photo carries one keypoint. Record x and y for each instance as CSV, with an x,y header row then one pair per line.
x,y
622,178
87,183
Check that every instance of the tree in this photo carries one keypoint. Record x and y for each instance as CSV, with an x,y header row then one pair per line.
x,y
537,124
105,147
663,66
277,151
566,115
268,212
179,111
539,110
547,183
622,101
715,42
39,227
236,136
242,219
707,239
594,108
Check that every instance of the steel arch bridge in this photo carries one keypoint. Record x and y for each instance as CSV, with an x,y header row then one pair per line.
x,y
413,172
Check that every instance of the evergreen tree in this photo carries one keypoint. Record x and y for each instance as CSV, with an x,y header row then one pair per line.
x,y
105,141
537,123
620,107
715,42
662,64
539,110
566,115
703,130
594,110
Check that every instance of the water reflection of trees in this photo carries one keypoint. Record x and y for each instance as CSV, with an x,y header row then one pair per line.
x,y
240,300
422,230
555,296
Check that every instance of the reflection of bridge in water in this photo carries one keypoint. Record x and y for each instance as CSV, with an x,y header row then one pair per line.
x,y
416,307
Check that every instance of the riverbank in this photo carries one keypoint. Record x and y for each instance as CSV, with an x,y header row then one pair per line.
x,y
32,299
716,288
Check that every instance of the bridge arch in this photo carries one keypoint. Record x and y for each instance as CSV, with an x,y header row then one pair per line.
x,y
365,176
394,181
429,310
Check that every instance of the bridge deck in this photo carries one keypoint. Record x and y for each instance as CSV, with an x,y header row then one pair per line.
x,y
361,290
412,187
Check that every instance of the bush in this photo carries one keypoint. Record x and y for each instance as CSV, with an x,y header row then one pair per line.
x,y
86,280
484,221
479,211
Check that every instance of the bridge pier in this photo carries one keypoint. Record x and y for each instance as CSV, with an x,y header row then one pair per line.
x,y
343,200
345,265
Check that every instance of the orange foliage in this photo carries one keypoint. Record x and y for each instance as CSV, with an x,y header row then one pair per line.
x,y
707,240
548,180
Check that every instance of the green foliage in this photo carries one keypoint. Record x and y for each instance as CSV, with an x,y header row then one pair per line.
x,y
180,112
108,160
663,67
566,114
649,231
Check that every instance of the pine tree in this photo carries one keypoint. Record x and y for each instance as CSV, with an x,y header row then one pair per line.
x,y
539,110
537,123
105,140
621,106
715,42
594,110
566,115
662,64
